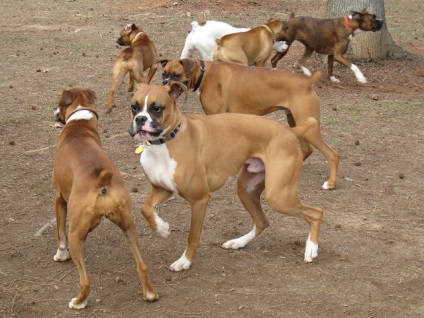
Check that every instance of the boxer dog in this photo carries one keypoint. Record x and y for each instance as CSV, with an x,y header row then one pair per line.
x,y
139,56
252,47
88,188
203,35
260,92
194,155
330,37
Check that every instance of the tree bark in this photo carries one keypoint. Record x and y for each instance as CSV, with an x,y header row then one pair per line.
x,y
366,45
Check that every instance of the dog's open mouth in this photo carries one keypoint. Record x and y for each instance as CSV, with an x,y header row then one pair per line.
x,y
146,135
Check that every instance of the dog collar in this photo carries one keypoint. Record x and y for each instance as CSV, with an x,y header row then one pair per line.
x,y
349,27
199,81
269,30
137,35
161,141
80,108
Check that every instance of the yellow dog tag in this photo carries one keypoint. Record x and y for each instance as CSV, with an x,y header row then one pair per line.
x,y
139,149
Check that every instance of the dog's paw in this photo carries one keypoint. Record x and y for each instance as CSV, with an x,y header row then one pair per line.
x,y
327,186
151,296
62,255
182,263
362,80
162,227
306,71
82,305
311,250
334,79
240,242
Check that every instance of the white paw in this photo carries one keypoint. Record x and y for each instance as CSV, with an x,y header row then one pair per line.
x,y
241,241
79,306
162,227
334,79
150,296
306,71
311,250
325,186
61,255
362,80
181,263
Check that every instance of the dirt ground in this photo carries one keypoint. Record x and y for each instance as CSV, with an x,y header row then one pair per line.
x,y
371,251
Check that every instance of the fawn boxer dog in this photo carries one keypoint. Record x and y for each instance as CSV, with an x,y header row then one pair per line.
x,y
330,37
252,47
228,87
194,155
203,35
139,56
88,188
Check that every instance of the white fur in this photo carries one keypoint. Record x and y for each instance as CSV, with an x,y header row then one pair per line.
x,y
202,38
241,241
162,227
150,296
181,263
81,115
335,80
62,253
359,76
159,167
79,306
306,71
325,186
311,250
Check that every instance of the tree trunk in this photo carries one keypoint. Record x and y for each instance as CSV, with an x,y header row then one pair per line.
x,y
367,45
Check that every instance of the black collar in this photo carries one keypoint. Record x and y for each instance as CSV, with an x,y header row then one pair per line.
x,y
161,141
199,81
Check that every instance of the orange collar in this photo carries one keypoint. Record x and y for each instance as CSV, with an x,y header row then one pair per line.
x,y
351,30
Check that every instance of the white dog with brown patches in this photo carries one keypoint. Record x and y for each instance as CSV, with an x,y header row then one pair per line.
x,y
195,155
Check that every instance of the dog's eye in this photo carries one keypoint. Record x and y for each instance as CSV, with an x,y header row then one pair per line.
x,y
176,76
156,109
134,107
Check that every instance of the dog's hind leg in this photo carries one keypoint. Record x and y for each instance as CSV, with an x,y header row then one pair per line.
x,y
304,145
122,217
250,185
151,73
118,77
79,227
282,196
62,253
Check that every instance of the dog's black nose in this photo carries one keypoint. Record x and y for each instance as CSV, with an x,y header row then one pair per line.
x,y
140,120
120,41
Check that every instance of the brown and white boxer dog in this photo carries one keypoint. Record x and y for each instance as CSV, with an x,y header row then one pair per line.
x,y
260,92
139,56
88,188
330,37
194,155
252,47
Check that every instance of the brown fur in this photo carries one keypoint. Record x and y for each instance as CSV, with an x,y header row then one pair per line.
x,y
88,188
248,48
139,56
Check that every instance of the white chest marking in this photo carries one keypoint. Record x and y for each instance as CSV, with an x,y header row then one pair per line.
x,y
159,167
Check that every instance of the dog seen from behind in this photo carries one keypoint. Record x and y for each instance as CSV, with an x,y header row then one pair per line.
x,y
139,55
195,155
89,187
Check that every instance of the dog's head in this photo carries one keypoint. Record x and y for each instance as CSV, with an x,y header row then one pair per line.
x,y
154,110
278,28
177,70
128,34
366,21
71,99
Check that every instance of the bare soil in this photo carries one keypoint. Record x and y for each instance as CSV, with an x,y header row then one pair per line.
x,y
371,251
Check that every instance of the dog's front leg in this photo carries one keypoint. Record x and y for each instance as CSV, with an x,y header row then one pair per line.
x,y
198,210
156,197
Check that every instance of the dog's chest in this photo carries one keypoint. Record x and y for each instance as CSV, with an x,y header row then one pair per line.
x,y
159,167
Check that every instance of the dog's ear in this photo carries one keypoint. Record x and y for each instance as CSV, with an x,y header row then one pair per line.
x,y
188,65
175,89
356,15
67,98
91,95
162,62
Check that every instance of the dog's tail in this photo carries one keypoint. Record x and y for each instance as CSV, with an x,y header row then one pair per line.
x,y
316,76
104,176
305,126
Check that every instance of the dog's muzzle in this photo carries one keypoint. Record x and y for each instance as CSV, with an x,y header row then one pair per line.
x,y
137,127
377,25
120,41
56,113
